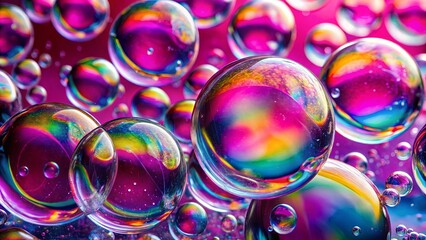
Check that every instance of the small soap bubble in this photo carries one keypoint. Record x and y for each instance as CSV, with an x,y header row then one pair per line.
x,y
403,151
45,60
26,74
191,219
283,219
51,170
356,231
401,230
229,223
36,95
400,181
390,197
150,103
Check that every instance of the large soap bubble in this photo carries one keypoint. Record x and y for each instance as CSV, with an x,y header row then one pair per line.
x,y
36,149
376,89
262,127
153,43
338,199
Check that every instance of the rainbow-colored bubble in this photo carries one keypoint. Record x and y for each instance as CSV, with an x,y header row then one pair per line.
x,y
178,120
38,10
197,79
26,74
10,97
150,103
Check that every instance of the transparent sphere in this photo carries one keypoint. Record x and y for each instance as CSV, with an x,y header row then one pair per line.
x,y
406,21
92,84
322,40
403,151
153,43
26,74
283,219
151,175
209,194
10,97
121,110
41,139
262,127
80,20
356,231
36,95
150,103
401,182
45,60
380,90
228,223
262,27
191,219
197,79
208,13
356,160
38,10
307,5
390,197
360,17
16,34
401,230
178,120
336,200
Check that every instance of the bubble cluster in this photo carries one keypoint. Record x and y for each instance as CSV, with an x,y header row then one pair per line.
x,y
283,219
41,139
26,74
380,89
153,43
355,202
356,160
191,219
360,17
178,120
151,174
150,103
10,97
80,20
197,79
400,181
262,27
16,35
262,127
38,10
92,84
322,40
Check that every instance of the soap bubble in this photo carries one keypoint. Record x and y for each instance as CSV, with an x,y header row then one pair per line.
x,y
403,151
356,231
283,219
80,20
178,120
151,175
208,13
381,90
121,110
228,223
390,197
38,10
41,138
10,97
406,21
150,103
401,230
336,200
208,194
262,27
360,17
356,160
36,95
45,60
216,57
306,5
197,79
191,219
400,181
16,35
262,127
92,84
153,43
321,41
26,74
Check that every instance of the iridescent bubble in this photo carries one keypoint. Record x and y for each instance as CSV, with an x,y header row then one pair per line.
x,y
262,127
80,20
26,74
283,219
360,17
228,223
10,97
356,160
262,27
34,137
400,181
121,110
208,13
51,170
153,43
23,171
321,41
38,10
16,233
208,193
178,120
390,197
63,74
121,90
197,79
307,5
93,170
150,103
151,175
406,21
381,90
92,84
45,60
403,151
356,231
216,57
328,207
191,219
16,34
401,230
36,95
413,236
